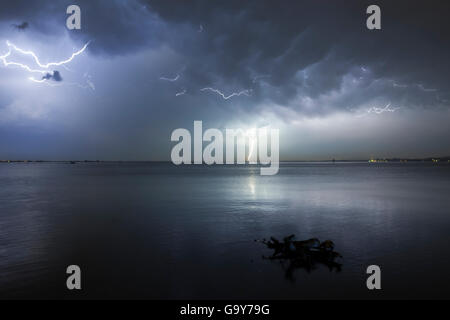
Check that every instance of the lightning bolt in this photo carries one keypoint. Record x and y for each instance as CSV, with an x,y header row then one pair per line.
x,y
382,110
252,142
225,97
256,79
181,93
169,79
397,85
51,64
421,87
89,85
37,81
20,65
44,67
418,85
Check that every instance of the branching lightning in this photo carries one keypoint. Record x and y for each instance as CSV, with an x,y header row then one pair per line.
x,y
256,79
181,93
51,64
17,64
225,97
43,67
170,79
382,110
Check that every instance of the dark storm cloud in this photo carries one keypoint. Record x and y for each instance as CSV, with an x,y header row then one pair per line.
x,y
21,27
295,48
116,26
310,48
55,76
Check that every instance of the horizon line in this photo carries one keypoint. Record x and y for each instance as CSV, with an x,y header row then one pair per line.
x,y
395,159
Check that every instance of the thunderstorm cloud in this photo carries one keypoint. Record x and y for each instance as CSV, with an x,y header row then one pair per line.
x,y
312,68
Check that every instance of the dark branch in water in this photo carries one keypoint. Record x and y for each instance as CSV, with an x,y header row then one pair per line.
x,y
302,254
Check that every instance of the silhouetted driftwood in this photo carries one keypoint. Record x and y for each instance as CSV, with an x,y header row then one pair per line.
x,y
304,254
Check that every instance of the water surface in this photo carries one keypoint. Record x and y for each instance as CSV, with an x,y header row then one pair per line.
x,y
154,230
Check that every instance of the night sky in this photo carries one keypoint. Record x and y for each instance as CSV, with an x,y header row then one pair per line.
x,y
310,68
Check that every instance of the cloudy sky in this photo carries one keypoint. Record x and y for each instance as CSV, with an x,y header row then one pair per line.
x,y
310,68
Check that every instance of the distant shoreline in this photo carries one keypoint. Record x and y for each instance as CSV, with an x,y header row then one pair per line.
x,y
393,160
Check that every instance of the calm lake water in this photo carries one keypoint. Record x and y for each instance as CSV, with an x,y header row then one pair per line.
x,y
143,230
